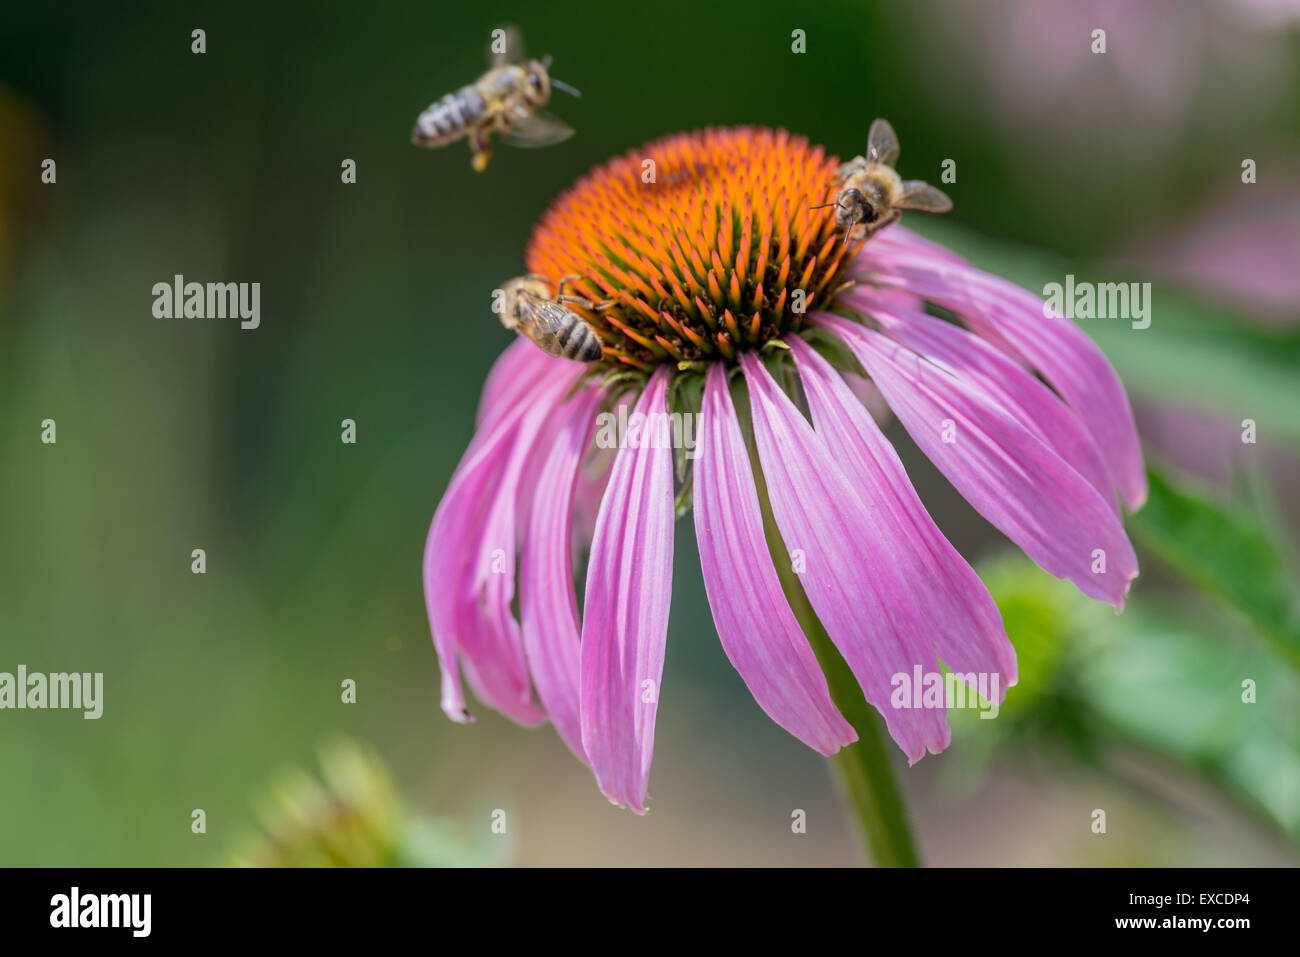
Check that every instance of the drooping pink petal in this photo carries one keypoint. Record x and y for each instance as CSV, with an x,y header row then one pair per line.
x,y
758,630
469,563
593,478
1011,477
1015,320
625,612
960,623
847,561
866,393
1023,396
516,372
904,240
548,608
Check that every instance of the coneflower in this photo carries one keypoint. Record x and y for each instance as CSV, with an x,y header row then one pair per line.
x,y
731,298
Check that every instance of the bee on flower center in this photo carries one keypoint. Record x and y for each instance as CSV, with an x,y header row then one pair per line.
x,y
531,310
872,194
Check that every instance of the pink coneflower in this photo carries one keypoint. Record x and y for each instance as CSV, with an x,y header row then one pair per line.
x,y
1019,410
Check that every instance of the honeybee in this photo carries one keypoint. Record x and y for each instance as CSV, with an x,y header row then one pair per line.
x,y
872,195
508,100
530,310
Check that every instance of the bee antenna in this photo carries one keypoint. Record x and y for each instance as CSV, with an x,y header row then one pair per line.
x,y
546,61
823,205
561,85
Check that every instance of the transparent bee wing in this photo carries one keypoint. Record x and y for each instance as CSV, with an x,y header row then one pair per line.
x,y
554,319
923,196
507,49
534,323
537,129
882,143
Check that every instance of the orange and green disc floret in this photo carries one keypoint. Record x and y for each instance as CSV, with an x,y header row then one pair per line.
x,y
704,241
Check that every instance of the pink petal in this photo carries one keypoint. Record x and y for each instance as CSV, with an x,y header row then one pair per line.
x,y
548,607
902,239
1022,395
517,371
593,478
1015,320
625,614
1011,477
758,630
959,621
868,612
469,563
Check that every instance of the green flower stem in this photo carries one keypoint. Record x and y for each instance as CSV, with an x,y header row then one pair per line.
x,y
864,769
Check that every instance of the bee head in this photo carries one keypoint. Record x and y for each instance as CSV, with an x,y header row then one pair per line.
x,y
537,82
856,206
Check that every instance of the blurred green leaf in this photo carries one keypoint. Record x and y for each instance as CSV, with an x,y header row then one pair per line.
x,y
1226,551
1165,677
1174,686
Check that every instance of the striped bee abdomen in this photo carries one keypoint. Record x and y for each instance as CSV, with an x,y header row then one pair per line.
x,y
563,333
551,325
449,118
577,341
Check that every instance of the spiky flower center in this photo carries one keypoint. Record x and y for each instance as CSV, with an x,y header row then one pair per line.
x,y
704,241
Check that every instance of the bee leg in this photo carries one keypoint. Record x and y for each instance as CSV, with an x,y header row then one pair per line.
x,y
564,281
584,303
581,301
480,145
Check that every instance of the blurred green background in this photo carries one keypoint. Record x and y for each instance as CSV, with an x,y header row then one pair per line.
x,y
177,435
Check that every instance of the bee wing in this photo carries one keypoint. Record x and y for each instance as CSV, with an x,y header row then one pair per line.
x,y
511,46
923,196
882,143
537,129
548,321
555,319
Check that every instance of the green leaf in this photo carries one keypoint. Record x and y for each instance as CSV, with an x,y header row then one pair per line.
x,y
1226,551
1168,677
1173,681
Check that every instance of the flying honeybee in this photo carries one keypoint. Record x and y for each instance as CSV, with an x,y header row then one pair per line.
x,y
506,100
872,195
530,310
